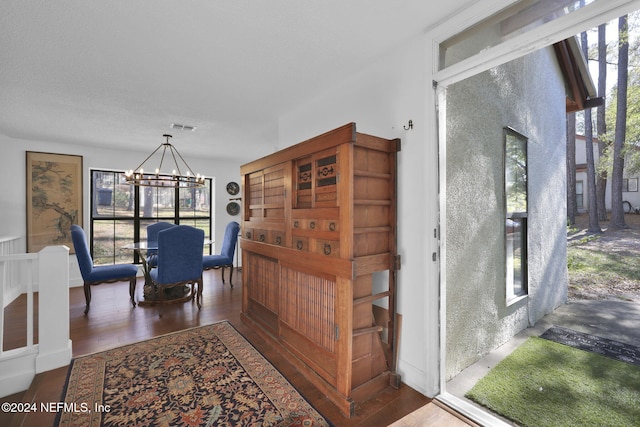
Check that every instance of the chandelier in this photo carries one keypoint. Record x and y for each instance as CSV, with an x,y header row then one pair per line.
x,y
158,178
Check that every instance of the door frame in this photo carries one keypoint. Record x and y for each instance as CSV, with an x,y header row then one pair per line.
x,y
600,12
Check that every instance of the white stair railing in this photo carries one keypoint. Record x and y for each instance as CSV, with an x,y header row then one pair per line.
x,y
12,286
49,269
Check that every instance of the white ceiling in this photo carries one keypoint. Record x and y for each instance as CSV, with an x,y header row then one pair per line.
x,y
119,72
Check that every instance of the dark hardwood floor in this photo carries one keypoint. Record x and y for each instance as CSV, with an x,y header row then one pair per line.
x,y
112,322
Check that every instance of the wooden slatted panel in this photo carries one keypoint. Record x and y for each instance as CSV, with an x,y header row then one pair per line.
x,y
255,195
262,280
309,306
274,187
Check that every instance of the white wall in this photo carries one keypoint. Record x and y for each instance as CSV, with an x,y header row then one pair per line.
x,y
381,100
13,198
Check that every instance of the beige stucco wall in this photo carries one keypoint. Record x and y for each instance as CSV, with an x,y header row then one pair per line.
x,y
527,95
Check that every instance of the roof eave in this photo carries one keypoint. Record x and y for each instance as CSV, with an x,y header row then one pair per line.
x,y
582,92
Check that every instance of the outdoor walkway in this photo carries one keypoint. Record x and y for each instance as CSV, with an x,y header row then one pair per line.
x,y
611,319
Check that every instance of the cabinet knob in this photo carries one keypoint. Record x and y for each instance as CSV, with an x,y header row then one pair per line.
x,y
299,244
261,237
248,234
295,224
278,240
327,249
332,226
312,225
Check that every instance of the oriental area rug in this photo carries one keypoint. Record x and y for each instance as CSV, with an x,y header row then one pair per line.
x,y
204,376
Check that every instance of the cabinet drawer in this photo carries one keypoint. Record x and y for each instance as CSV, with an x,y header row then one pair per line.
x,y
273,237
329,225
248,233
276,238
316,224
328,247
301,243
260,235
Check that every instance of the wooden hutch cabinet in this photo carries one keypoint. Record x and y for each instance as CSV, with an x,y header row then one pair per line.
x,y
319,220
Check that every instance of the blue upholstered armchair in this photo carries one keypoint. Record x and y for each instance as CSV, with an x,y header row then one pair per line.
x,y
179,261
225,259
102,274
152,236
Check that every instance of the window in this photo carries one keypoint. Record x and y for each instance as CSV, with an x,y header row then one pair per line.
x,y
630,184
579,194
120,213
516,201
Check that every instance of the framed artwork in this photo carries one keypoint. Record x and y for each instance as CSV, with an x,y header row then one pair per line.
x,y
54,199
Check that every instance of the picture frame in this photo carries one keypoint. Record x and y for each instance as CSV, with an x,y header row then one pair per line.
x,y
54,198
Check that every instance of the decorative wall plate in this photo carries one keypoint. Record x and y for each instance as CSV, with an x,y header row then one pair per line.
x,y
233,188
233,208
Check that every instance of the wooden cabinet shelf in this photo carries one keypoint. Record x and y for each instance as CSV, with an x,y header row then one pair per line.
x,y
319,219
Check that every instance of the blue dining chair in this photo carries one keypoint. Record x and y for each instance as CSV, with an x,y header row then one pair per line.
x,y
179,262
92,275
152,236
225,258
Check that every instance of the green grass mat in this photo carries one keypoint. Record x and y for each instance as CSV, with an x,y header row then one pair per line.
x,y
543,383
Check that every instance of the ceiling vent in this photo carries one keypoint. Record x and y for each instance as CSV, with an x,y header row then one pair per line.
x,y
182,127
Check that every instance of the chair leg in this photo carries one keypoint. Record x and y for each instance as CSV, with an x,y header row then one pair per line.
x,y
132,290
199,297
223,274
87,296
160,296
231,276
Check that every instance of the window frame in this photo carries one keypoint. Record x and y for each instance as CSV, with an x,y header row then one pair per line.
x,y
626,187
580,194
138,220
512,217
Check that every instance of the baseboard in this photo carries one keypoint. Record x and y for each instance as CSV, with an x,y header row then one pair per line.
x,y
18,371
54,360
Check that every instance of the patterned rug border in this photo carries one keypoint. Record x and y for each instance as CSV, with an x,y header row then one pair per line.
x,y
74,360
330,424
168,334
616,350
